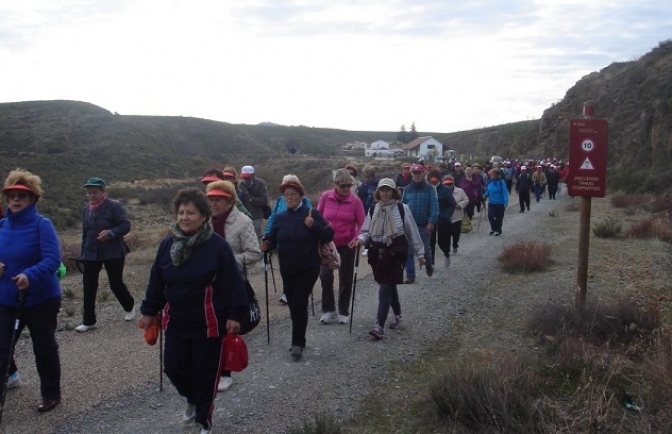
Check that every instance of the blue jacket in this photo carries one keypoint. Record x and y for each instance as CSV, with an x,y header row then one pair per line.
x,y
29,245
423,202
111,217
497,192
200,295
446,204
280,206
296,243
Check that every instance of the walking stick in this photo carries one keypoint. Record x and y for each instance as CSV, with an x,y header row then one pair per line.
x,y
312,303
480,216
21,302
354,286
161,352
268,321
270,262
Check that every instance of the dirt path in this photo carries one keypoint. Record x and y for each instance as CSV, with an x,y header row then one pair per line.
x,y
110,376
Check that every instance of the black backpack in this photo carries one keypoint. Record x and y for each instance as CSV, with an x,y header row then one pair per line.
x,y
252,316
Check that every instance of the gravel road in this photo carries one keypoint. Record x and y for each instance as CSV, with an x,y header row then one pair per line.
x,y
111,377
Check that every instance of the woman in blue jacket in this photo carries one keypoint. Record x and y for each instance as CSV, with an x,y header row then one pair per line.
x,y
30,255
498,199
295,234
104,224
196,282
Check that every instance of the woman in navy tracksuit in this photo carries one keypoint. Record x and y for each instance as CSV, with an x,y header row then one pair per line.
x,y
498,200
195,280
295,233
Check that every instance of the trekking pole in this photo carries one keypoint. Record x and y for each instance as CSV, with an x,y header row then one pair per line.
x,y
21,302
480,217
312,303
161,352
270,262
354,286
268,321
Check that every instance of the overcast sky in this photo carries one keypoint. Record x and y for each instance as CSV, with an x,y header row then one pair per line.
x,y
355,65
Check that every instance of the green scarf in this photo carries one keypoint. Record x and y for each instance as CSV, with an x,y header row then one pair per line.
x,y
180,251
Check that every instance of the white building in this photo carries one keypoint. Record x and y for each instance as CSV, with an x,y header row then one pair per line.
x,y
379,148
424,147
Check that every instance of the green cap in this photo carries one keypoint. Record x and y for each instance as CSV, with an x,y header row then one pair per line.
x,y
95,182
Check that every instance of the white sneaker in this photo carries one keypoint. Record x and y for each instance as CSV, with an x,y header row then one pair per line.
x,y
13,381
224,384
205,431
283,299
365,252
189,413
130,315
343,319
84,328
328,317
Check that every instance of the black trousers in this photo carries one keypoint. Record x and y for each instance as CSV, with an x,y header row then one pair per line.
x,y
115,272
442,236
496,217
193,365
41,320
524,199
298,287
552,190
345,276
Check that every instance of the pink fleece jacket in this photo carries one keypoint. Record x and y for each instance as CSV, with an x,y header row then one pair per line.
x,y
346,216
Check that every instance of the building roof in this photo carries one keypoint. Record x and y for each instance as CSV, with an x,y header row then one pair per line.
x,y
417,142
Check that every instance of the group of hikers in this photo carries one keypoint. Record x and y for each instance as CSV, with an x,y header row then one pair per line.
x,y
197,287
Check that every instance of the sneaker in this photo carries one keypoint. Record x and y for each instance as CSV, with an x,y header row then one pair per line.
x,y
189,413
409,280
283,299
13,381
296,352
343,319
498,234
328,317
205,431
130,315
84,328
492,232
528,208
365,252
430,270
377,332
454,250
446,261
521,211
224,384
395,322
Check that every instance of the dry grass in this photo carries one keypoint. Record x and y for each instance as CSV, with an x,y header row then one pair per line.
x,y
651,227
525,256
610,227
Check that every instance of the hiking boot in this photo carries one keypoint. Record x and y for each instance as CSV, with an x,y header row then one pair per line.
x,y
296,352
189,413
130,315
377,332
328,317
430,270
13,381
82,328
224,384
522,210
283,299
343,319
395,322
446,261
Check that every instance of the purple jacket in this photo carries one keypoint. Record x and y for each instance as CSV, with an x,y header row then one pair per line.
x,y
473,188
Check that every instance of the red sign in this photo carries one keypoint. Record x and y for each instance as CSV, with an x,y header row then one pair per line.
x,y
587,157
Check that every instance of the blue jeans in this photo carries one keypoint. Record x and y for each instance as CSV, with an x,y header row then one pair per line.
x,y
538,191
410,261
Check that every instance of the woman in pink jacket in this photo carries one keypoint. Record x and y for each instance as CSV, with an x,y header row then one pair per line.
x,y
345,212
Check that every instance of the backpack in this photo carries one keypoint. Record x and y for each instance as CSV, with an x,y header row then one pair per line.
x,y
252,316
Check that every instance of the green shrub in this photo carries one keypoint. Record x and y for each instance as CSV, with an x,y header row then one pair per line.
x,y
323,424
609,228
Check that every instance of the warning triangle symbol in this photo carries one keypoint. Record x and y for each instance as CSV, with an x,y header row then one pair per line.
x,y
587,165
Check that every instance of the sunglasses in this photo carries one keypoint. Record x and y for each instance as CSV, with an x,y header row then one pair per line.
x,y
344,185
19,196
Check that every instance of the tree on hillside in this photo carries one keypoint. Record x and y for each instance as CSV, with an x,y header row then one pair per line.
x,y
413,134
402,135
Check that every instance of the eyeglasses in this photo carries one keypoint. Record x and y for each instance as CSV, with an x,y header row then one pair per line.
x,y
344,185
19,196
292,194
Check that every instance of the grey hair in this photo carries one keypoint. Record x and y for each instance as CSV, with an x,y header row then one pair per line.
x,y
290,178
342,176
468,171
